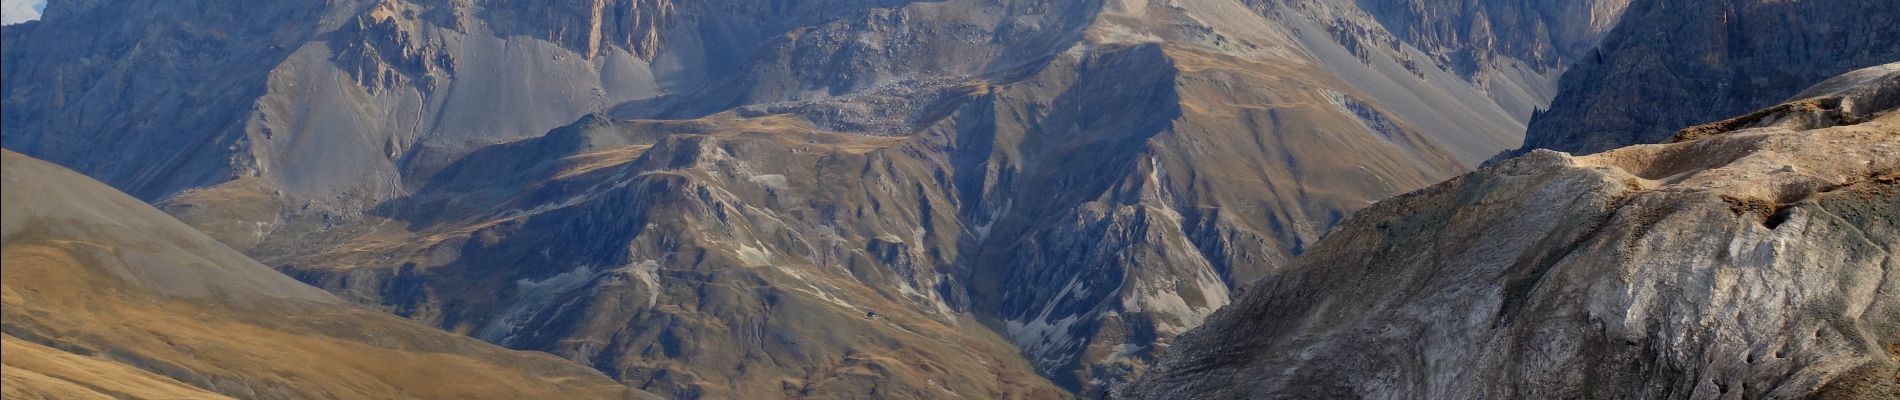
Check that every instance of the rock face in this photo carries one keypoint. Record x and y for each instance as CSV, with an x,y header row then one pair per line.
x,y
1750,259
1672,64
785,199
1472,34
1501,41
107,297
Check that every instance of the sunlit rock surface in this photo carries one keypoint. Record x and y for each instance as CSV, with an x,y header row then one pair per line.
x,y
1752,258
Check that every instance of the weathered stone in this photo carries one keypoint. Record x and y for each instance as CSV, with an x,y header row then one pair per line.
x,y
1700,269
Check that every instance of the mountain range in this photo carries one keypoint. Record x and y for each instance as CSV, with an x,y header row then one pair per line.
x,y
883,199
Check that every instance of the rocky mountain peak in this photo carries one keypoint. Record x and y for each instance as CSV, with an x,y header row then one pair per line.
x,y
1473,36
1748,259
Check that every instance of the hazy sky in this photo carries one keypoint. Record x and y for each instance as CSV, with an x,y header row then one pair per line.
x,y
17,11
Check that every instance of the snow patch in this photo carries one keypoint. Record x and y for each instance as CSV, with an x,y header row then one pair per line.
x,y
754,256
770,181
982,230
1149,297
811,288
532,298
1048,342
647,272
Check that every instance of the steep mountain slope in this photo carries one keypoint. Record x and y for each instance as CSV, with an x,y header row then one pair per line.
x,y
336,103
1672,64
1514,50
107,297
1751,259
981,184
714,258
916,229
1471,35
790,199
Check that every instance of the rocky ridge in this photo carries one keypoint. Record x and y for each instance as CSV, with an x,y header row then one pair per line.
x,y
1751,258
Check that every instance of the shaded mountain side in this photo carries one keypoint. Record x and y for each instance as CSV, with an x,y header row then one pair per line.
x,y
1473,37
1751,259
337,105
1513,50
1673,64
107,297
1465,111
170,95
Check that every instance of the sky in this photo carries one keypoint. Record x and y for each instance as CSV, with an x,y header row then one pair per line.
x,y
17,11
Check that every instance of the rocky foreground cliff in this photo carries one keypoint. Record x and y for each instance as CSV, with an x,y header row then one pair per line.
x,y
1748,258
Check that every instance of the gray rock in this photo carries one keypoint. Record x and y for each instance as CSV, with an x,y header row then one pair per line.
x,y
1673,64
1699,269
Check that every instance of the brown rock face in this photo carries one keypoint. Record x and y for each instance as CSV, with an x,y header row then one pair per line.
x,y
1753,261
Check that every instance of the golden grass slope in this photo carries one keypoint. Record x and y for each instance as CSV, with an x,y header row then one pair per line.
x,y
106,297
33,371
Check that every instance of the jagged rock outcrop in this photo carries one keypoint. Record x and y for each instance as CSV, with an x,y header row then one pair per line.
x,y
1751,260
1673,64
106,297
